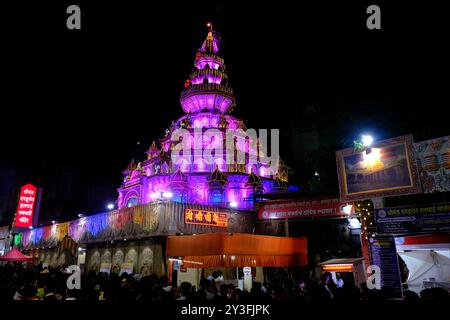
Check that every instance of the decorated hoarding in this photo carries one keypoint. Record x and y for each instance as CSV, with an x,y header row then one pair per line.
x,y
153,219
433,161
388,168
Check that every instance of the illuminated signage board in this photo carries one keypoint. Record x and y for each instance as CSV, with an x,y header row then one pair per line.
x,y
25,208
338,268
305,209
205,218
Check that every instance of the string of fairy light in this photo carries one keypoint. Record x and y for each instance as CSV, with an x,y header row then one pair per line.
x,y
365,212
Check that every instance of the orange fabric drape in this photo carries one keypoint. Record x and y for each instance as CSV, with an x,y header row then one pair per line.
x,y
215,250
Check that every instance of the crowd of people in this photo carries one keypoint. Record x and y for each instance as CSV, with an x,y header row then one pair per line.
x,y
35,282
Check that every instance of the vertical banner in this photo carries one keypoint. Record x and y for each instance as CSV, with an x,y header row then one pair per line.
x,y
383,253
26,206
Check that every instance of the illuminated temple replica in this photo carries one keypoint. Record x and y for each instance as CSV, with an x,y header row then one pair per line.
x,y
207,102
159,198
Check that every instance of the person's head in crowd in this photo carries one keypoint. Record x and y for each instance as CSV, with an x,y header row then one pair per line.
x,y
277,294
204,283
164,281
185,289
28,292
410,296
71,294
435,295
223,290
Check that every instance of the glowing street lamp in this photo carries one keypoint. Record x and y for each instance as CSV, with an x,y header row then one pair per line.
x,y
365,144
366,140
110,206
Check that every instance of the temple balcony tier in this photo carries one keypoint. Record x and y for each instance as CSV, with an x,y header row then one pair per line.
x,y
209,75
200,168
197,187
205,120
208,61
211,96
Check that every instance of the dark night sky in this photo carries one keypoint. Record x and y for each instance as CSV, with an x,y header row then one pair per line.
x,y
75,103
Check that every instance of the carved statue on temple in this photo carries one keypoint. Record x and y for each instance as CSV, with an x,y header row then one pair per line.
x,y
223,123
186,123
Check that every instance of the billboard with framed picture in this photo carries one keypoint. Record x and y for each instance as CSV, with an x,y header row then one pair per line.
x,y
387,168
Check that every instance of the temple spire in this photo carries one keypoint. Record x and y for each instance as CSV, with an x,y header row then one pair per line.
x,y
207,87
212,41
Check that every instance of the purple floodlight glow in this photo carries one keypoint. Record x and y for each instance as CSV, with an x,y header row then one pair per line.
x,y
154,196
167,195
209,101
263,171
234,204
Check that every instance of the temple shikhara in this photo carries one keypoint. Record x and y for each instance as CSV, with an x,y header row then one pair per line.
x,y
207,101
176,195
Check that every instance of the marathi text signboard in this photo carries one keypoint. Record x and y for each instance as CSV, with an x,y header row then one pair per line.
x,y
383,254
305,209
26,206
205,218
413,219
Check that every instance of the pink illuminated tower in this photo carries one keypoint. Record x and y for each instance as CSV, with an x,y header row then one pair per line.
x,y
207,101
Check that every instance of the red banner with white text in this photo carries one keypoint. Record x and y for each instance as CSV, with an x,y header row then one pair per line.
x,y
26,206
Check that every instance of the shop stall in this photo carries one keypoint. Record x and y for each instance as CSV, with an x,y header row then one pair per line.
x,y
248,252
427,258
347,269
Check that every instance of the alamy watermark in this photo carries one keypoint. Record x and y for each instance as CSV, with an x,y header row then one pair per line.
x,y
73,21
74,280
373,277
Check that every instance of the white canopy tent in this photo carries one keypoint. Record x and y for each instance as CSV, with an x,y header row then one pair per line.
x,y
427,268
